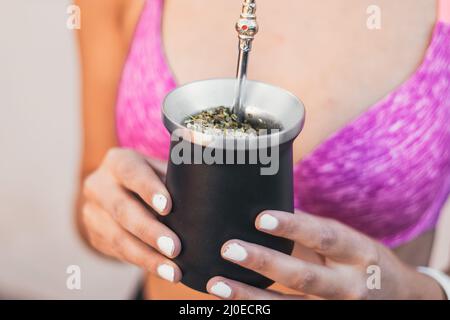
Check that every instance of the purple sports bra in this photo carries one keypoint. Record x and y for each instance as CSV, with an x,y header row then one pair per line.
x,y
386,173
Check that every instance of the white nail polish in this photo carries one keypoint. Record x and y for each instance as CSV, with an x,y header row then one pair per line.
x,y
166,245
221,289
235,252
159,202
166,272
268,222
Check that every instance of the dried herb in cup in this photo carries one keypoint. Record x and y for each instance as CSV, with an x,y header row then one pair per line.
x,y
223,121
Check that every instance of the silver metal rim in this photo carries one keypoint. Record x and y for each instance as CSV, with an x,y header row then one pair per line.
x,y
292,120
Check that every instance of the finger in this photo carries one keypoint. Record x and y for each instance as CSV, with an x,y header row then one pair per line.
x,y
109,237
291,272
234,290
159,166
95,238
134,173
134,217
327,237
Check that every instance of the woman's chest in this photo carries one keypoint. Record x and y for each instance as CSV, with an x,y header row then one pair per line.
x,y
398,149
324,53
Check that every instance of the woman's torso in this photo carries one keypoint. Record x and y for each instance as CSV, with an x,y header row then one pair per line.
x,y
309,56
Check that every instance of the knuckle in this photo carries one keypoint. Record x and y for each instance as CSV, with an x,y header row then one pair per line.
x,y
89,184
327,238
95,242
242,294
86,214
304,281
88,217
371,256
287,229
118,158
113,155
260,261
117,244
141,230
90,237
127,170
359,293
119,210
90,222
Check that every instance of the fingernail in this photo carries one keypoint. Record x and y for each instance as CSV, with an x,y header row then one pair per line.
x,y
268,222
159,202
221,289
166,245
166,272
235,252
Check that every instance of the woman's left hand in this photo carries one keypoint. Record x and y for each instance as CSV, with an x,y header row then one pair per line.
x,y
354,266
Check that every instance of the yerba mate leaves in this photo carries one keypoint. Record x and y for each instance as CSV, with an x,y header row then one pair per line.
x,y
223,121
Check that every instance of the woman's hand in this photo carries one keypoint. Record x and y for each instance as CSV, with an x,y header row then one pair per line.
x,y
119,224
351,263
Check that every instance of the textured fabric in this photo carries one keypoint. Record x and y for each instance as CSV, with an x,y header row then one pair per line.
x,y
386,173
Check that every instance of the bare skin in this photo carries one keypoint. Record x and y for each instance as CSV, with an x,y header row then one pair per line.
x,y
312,57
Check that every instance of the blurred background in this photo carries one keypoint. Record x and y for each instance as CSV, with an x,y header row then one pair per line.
x,y
39,152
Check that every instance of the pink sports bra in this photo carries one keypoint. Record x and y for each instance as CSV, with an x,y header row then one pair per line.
x,y
386,173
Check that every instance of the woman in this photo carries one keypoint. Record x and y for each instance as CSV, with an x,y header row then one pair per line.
x,y
372,164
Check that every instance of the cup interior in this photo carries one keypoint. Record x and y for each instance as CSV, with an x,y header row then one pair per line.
x,y
261,100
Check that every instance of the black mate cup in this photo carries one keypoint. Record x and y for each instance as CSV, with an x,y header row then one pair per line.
x,y
216,201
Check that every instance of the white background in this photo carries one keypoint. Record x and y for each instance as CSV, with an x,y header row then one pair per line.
x,y
39,147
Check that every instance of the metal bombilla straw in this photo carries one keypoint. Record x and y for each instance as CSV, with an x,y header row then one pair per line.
x,y
247,27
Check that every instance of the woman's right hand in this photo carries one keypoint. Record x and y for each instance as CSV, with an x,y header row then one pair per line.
x,y
117,224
